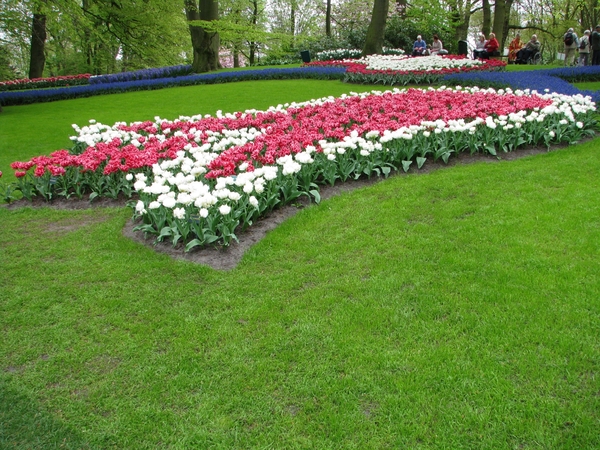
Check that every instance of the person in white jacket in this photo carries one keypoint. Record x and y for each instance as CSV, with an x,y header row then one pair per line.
x,y
584,48
571,44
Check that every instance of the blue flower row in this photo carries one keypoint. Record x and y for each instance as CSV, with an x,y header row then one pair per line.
x,y
555,80
143,74
47,95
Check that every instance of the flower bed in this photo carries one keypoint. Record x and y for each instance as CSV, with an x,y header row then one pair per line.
x,y
48,95
553,80
349,53
143,74
200,179
404,70
41,83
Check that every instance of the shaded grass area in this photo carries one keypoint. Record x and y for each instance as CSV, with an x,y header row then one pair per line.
x,y
454,309
588,85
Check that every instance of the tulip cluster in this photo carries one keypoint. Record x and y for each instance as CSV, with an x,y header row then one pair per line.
x,y
345,53
404,70
200,179
40,83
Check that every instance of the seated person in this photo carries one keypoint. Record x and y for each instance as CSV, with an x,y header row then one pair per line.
x,y
490,48
437,48
479,46
530,49
419,47
515,45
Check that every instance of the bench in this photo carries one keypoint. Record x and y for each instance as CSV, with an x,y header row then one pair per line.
x,y
500,57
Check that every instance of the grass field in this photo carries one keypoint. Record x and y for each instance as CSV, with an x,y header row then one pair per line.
x,y
458,308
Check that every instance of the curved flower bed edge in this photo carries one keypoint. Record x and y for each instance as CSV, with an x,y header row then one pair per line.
x,y
201,179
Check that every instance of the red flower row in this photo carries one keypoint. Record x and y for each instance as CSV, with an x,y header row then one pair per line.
x,y
26,83
285,132
358,67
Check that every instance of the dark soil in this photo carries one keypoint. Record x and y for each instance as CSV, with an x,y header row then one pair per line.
x,y
225,258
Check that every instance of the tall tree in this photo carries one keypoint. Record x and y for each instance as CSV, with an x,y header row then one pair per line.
x,y
486,26
460,14
252,44
376,30
501,18
37,59
328,19
205,43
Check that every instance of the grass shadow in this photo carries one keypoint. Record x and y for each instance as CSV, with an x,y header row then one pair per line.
x,y
24,424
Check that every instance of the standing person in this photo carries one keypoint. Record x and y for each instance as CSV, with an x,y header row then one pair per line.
x,y
515,45
596,46
584,48
571,44
479,47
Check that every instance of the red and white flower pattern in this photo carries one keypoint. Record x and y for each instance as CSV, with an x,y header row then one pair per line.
x,y
200,177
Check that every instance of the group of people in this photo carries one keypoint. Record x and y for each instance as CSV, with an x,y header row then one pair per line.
x,y
421,48
588,43
519,53
484,48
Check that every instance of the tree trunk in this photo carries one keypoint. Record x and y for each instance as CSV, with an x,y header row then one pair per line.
x,y
487,18
376,30
293,22
460,15
501,17
328,19
253,45
236,57
38,43
205,44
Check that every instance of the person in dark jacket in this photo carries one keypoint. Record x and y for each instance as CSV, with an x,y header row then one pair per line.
x,y
596,46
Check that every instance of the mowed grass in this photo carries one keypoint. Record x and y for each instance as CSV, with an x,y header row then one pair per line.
x,y
457,308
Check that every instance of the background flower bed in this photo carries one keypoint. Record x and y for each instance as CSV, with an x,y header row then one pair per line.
x,y
405,70
180,76
40,83
348,71
345,53
551,80
84,79
144,74
35,96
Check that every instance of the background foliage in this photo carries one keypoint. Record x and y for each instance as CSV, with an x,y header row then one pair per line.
x,y
99,37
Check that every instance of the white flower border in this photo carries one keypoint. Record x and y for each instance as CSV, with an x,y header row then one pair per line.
x,y
177,190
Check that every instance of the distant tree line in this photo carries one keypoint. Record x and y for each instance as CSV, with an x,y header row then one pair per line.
x,y
41,38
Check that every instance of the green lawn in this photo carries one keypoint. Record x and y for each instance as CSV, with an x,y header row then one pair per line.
x,y
458,308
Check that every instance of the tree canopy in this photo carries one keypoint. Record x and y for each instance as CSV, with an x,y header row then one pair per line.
x,y
60,37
